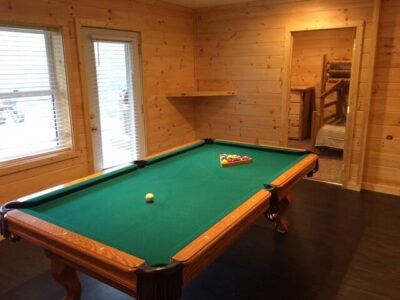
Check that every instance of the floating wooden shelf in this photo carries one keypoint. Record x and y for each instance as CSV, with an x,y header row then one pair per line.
x,y
202,94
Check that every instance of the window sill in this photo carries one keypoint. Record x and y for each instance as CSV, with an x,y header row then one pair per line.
x,y
32,162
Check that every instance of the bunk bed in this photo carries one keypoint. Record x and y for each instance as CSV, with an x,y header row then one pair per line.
x,y
329,120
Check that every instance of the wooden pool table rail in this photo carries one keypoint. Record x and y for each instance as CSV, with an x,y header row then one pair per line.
x,y
103,262
202,251
286,181
208,246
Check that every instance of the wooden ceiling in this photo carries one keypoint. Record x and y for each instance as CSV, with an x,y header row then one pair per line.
x,y
203,3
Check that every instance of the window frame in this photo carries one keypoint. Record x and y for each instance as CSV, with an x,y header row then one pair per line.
x,y
58,155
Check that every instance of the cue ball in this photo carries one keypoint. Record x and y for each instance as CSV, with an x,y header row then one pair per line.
x,y
149,197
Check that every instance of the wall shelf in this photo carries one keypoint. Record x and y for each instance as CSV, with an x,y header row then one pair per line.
x,y
202,94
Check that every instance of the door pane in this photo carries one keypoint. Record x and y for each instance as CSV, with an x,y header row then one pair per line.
x,y
115,99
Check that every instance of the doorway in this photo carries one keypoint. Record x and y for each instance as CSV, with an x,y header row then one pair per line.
x,y
318,102
113,71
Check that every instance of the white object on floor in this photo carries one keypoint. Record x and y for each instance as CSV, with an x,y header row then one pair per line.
x,y
331,136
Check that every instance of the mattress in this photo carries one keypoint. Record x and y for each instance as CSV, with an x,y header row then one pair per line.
x,y
331,136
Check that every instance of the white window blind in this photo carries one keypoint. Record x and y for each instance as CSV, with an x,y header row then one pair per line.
x,y
113,82
34,108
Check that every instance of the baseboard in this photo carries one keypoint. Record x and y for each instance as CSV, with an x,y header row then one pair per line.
x,y
352,186
386,189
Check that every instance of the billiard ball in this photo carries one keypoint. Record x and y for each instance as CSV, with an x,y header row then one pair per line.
x,y
149,197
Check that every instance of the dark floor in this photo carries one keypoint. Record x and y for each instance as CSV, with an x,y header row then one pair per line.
x,y
341,245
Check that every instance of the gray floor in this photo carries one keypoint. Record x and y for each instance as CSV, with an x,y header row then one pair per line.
x,y
330,161
341,245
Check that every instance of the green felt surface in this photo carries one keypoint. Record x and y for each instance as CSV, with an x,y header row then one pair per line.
x,y
192,192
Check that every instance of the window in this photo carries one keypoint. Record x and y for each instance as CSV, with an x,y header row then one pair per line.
x,y
34,109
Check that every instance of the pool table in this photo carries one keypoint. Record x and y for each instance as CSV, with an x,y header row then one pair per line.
x,y
103,226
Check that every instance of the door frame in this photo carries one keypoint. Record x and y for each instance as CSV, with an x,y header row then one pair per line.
x,y
79,25
353,93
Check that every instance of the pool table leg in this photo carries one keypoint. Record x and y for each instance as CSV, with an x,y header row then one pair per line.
x,y
281,223
66,276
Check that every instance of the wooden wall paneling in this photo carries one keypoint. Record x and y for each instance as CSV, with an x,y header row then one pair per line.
x,y
286,71
219,29
382,124
352,109
84,94
168,53
369,85
167,65
247,38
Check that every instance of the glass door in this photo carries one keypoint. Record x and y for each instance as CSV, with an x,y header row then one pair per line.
x,y
114,88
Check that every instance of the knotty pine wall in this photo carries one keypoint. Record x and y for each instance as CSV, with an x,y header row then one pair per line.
x,y
241,46
236,46
309,48
168,65
382,161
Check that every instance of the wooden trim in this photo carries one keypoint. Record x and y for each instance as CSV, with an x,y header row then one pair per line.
x,y
195,56
68,62
36,161
337,25
370,80
352,103
83,22
98,37
352,187
202,94
121,280
354,82
323,75
7,22
379,188
84,95
286,73
100,261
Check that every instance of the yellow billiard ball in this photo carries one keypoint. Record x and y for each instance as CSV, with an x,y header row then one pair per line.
x,y
149,197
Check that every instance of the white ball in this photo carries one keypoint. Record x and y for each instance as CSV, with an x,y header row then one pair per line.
x,y
149,197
